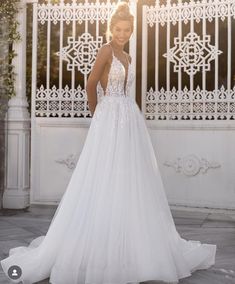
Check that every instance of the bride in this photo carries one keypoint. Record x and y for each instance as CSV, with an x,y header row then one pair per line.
x,y
113,224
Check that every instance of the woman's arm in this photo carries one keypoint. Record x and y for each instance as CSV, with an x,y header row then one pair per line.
x,y
101,60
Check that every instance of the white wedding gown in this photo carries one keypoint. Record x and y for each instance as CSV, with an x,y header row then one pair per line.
x,y
113,224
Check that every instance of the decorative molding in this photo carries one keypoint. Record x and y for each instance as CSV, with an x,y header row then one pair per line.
x,y
204,125
192,54
70,162
191,165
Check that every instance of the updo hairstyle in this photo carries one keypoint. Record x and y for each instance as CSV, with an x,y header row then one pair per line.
x,y
121,13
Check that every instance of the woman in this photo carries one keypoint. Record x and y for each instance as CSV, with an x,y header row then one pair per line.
x,y
113,224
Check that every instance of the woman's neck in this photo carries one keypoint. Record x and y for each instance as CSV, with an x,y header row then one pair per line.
x,y
117,47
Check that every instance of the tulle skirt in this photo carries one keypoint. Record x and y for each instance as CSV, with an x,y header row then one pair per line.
x,y
113,224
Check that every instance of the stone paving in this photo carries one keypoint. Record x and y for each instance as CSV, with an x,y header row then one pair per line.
x,y
19,227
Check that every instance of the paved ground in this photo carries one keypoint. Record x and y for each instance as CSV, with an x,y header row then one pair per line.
x,y
19,227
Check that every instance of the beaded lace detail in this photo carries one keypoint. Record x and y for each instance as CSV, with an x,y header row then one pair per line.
x,y
115,104
116,79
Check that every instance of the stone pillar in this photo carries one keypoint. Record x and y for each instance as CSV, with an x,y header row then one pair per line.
x,y
2,146
3,102
16,193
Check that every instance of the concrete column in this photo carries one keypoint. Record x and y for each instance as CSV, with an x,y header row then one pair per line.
x,y
3,102
16,193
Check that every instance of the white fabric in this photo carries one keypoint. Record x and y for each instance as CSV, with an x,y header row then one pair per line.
x,y
113,224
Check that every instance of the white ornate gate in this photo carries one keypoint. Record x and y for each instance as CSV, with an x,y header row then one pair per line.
x,y
191,108
60,115
188,101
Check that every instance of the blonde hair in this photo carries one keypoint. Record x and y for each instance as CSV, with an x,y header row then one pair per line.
x,y
121,13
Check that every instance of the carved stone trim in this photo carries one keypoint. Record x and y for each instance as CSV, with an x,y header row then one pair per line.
x,y
70,162
191,165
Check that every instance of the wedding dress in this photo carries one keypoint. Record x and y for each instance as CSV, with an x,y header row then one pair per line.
x,y
113,224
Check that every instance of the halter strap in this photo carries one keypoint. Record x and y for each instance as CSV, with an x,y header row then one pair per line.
x,y
114,55
111,48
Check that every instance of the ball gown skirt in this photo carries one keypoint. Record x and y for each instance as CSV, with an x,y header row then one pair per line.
x,y
113,224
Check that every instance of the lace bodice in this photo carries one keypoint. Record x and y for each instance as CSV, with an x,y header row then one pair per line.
x,y
116,79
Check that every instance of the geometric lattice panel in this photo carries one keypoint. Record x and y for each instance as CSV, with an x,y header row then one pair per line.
x,y
190,105
192,54
81,53
64,102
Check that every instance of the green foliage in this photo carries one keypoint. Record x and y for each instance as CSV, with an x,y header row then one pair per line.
x,y
8,11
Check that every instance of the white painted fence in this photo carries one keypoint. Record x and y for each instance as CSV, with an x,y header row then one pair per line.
x,y
192,127
60,114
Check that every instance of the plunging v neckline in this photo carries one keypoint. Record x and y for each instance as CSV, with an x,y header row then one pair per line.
x,y
126,71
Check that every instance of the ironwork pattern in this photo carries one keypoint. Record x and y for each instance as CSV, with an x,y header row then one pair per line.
x,y
65,102
191,53
192,10
78,55
79,12
190,105
81,53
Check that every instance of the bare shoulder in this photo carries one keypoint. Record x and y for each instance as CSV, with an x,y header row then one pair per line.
x,y
102,59
104,51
